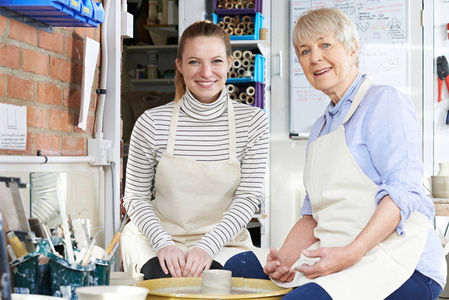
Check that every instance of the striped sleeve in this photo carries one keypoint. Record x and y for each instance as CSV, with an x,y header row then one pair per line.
x,y
247,197
140,173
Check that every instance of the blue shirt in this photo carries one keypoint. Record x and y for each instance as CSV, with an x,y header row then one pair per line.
x,y
384,138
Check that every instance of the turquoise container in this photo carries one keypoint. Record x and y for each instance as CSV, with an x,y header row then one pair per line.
x,y
66,278
102,273
25,270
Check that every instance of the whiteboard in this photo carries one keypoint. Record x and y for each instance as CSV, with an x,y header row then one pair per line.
x,y
383,52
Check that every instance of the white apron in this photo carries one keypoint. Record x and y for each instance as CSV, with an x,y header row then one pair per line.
x,y
342,199
191,198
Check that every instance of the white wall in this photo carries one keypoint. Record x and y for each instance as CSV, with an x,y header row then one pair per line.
x,y
287,156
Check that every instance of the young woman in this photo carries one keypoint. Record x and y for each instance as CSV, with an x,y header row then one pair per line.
x,y
196,167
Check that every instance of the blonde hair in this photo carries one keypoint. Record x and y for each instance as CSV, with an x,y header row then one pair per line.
x,y
323,21
198,29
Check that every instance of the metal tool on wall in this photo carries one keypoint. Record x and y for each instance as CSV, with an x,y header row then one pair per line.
x,y
443,74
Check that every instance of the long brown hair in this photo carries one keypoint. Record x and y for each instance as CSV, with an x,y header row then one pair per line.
x,y
198,29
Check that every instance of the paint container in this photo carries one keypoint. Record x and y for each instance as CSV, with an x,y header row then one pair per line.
x,y
102,273
25,273
65,278
112,293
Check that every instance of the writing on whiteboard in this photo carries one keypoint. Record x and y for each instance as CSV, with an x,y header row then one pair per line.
x,y
383,52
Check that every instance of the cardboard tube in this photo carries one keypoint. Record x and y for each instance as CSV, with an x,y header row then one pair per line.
x,y
250,100
236,63
251,91
238,31
246,19
227,19
232,89
245,63
243,97
247,74
233,96
240,71
247,54
242,26
232,74
237,54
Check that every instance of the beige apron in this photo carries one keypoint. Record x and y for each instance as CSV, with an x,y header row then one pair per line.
x,y
191,198
342,199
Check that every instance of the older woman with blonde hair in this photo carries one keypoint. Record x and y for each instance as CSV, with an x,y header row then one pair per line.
x,y
366,230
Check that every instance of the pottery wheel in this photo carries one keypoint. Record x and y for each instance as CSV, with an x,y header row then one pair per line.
x,y
177,288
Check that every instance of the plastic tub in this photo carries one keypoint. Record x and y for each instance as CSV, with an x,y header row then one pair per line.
x,y
256,18
259,95
223,11
258,74
117,292
58,13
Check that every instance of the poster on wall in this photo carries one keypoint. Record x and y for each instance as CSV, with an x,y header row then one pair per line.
x,y
13,127
383,53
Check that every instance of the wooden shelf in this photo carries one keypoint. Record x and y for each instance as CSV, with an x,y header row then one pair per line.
x,y
153,81
164,30
138,48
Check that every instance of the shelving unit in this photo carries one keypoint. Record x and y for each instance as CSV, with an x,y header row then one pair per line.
x,y
166,58
263,215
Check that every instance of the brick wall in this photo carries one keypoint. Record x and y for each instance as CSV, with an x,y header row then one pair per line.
x,y
43,71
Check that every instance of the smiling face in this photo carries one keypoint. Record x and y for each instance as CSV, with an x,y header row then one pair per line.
x,y
204,66
327,64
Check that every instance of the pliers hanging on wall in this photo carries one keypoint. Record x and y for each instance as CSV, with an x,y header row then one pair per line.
x,y
443,74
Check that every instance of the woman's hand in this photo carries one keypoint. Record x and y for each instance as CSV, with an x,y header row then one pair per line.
x,y
332,260
276,267
197,260
173,258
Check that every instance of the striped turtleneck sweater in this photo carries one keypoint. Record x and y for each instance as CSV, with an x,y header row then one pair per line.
x,y
202,135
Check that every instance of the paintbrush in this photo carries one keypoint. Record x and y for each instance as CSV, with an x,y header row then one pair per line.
x,y
117,235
